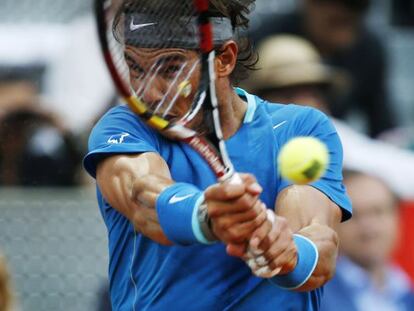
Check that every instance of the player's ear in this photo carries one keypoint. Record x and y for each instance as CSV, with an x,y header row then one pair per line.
x,y
226,59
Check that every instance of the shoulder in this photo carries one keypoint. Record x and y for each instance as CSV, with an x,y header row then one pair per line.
x,y
117,124
116,116
298,120
290,121
119,131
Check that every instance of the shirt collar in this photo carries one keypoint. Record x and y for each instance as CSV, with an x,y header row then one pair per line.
x,y
251,104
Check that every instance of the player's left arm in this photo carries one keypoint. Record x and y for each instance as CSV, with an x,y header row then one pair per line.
x,y
296,248
310,213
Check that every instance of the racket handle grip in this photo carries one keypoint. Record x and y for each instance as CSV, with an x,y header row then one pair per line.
x,y
235,179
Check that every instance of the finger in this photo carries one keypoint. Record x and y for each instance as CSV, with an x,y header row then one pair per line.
x,y
236,250
266,272
254,216
243,203
259,260
286,260
259,268
280,231
228,191
224,192
252,186
282,253
256,243
240,232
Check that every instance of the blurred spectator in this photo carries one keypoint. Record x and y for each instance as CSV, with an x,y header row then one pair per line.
x,y
402,137
366,280
6,295
15,94
36,150
292,72
337,29
402,12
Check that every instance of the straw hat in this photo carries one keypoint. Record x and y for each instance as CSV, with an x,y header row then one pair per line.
x,y
286,60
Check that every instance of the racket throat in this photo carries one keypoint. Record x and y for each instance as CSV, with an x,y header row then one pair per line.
x,y
222,170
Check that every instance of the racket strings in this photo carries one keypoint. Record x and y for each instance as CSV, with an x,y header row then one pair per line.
x,y
180,90
171,86
147,85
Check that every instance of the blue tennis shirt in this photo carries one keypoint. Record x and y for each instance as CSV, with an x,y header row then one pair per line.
x,y
147,276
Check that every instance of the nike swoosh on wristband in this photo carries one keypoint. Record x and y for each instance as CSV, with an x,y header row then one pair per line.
x,y
134,27
279,124
176,199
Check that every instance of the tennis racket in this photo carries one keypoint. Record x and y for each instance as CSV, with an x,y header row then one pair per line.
x,y
160,54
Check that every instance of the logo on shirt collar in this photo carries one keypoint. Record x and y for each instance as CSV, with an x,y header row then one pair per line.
x,y
117,139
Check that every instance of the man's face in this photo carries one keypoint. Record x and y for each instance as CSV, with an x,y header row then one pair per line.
x,y
370,236
165,79
332,26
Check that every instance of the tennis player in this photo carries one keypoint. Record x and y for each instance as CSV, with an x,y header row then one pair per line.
x,y
178,239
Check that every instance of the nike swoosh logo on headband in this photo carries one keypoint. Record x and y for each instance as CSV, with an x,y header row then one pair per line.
x,y
134,27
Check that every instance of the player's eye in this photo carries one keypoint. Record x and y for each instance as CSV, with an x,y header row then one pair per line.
x,y
170,71
171,66
135,70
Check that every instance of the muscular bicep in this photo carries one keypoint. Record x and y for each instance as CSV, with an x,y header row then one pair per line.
x,y
119,176
303,205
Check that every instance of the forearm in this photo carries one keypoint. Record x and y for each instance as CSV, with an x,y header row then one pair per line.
x,y
313,215
130,185
141,188
326,241
296,249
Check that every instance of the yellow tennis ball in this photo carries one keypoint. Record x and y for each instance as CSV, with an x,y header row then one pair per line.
x,y
303,160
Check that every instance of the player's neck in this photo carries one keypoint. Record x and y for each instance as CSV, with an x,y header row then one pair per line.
x,y
232,111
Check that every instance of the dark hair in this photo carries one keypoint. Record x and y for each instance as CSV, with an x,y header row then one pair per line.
x,y
359,6
236,10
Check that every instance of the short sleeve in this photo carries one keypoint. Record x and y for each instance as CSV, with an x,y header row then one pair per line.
x,y
119,131
312,122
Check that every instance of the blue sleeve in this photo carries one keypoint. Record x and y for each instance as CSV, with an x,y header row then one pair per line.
x,y
118,132
311,122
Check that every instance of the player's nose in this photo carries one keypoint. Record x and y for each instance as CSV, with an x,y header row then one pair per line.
x,y
153,95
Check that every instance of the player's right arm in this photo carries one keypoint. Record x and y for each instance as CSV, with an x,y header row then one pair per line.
x,y
132,183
